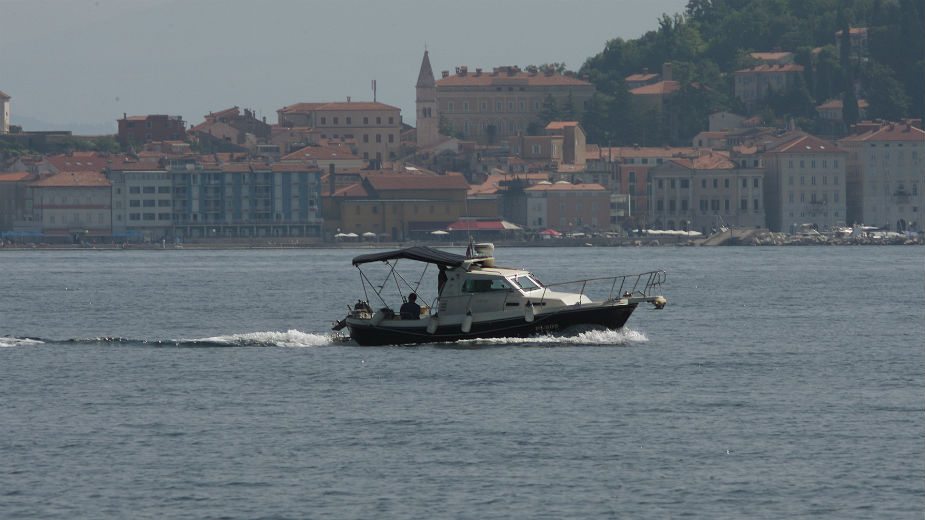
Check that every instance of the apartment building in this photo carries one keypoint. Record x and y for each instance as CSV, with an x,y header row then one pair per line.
x,y
805,182
374,127
706,192
886,172
755,84
137,130
568,207
493,106
245,199
73,206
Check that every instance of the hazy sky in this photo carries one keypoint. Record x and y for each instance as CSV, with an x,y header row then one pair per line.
x,y
80,64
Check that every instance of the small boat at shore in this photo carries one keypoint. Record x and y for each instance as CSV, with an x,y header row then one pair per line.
x,y
477,299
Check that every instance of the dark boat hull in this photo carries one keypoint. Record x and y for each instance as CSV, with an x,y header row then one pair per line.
x,y
611,317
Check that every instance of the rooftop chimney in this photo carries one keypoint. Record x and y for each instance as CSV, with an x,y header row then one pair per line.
x,y
445,73
348,99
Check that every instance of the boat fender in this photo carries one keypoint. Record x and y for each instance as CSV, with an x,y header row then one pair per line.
x,y
660,302
432,324
467,322
377,318
529,312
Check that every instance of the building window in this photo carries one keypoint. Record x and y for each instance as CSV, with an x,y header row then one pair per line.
x,y
745,183
392,120
685,183
365,138
725,183
756,180
134,203
378,120
391,138
134,189
366,119
324,120
378,138
755,205
336,120
743,204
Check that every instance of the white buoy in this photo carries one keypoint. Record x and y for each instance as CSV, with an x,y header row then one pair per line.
x,y
529,313
432,324
467,322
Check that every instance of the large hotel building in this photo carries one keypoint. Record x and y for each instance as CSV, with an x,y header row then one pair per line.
x,y
491,106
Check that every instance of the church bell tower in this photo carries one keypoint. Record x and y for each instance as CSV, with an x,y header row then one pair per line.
x,y
428,121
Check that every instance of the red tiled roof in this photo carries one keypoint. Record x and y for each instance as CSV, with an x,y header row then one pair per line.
x,y
354,190
320,153
891,132
15,176
482,225
660,88
837,104
806,144
79,161
567,187
74,180
707,161
337,105
486,79
559,125
417,182
770,55
293,167
790,67
634,78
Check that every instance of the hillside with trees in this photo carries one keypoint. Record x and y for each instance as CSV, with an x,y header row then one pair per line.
x,y
712,39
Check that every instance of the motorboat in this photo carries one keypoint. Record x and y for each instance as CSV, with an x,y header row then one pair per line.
x,y
477,299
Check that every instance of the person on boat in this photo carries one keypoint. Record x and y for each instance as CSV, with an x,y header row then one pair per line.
x,y
410,310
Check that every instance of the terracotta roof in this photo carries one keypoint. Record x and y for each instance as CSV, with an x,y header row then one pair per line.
x,y
321,153
633,78
482,225
708,161
79,161
417,182
559,125
619,152
891,132
294,167
502,78
337,105
74,180
853,30
660,88
790,67
806,144
567,187
837,104
15,176
770,56
354,190
233,111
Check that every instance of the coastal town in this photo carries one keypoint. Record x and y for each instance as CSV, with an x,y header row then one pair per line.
x,y
500,153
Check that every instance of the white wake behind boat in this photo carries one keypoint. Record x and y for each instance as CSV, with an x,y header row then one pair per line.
x,y
480,300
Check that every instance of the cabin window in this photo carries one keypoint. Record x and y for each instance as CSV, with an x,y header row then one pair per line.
x,y
479,286
526,283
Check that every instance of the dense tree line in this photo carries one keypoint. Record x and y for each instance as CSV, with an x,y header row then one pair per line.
x,y
713,38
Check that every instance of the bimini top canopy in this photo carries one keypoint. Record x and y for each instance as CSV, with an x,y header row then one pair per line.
x,y
418,254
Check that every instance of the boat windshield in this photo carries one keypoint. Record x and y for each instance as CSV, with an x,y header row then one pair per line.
x,y
526,283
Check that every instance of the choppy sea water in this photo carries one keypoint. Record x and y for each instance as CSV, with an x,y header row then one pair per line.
x,y
778,382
